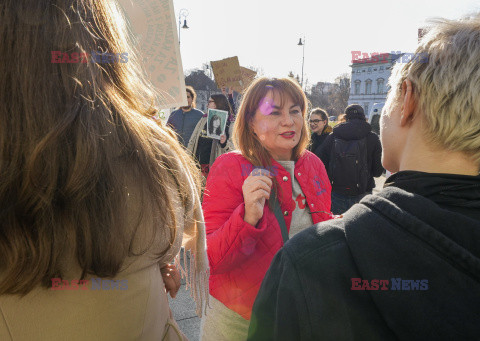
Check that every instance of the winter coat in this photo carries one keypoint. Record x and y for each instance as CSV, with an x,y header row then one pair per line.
x,y
239,253
317,140
401,265
355,129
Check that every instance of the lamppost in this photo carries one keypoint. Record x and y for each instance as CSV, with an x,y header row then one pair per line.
x,y
300,43
182,14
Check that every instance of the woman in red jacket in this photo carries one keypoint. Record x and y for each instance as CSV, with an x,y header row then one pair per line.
x,y
271,168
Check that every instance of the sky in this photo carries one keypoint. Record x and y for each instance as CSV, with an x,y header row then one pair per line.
x,y
264,33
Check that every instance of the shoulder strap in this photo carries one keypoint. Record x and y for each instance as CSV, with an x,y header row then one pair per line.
x,y
280,219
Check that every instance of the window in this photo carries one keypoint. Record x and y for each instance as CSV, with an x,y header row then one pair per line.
x,y
374,69
358,71
369,70
357,87
363,70
381,68
368,86
380,89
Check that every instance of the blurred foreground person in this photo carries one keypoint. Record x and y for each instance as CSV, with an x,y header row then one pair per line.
x,y
256,197
95,197
403,264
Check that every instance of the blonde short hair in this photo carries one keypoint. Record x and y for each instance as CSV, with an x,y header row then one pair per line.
x,y
447,84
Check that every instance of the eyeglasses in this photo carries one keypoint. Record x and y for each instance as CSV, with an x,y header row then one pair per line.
x,y
316,121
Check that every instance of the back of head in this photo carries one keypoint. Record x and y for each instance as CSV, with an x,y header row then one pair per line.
x,y
354,111
69,134
446,78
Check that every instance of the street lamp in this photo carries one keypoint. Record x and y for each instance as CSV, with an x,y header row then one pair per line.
x,y
182,14
300,43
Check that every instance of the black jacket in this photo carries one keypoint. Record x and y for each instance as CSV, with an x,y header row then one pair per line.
x,y
423,227
317,141
355,129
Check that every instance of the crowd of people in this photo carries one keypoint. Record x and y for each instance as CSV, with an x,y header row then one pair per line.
x,y
273,210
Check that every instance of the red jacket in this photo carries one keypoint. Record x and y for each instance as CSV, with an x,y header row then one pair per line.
x,y
239,253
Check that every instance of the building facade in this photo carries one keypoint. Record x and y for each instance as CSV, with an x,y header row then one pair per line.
x,y
369,81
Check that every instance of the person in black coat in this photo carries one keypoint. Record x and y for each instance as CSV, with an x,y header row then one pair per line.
x,y
319,127
355,128
403,264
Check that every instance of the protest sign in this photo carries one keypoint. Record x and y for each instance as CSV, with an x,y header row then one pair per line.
x,y
247,77
153,25
227,73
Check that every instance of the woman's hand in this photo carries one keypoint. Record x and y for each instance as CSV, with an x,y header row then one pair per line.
x,y
223,138
171,278
256,189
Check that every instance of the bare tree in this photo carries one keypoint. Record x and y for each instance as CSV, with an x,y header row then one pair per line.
x,y
331,97
200,81
340,93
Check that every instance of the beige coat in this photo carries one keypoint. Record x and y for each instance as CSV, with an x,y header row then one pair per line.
x,y
140,312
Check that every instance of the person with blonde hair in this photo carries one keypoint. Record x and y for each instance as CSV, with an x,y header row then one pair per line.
x,y
96,198
256,198
403,264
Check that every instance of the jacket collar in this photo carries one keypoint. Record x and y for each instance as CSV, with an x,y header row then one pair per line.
x,y
444,189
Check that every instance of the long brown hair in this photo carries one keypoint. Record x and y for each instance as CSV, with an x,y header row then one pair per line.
x,y
70,135
244,138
